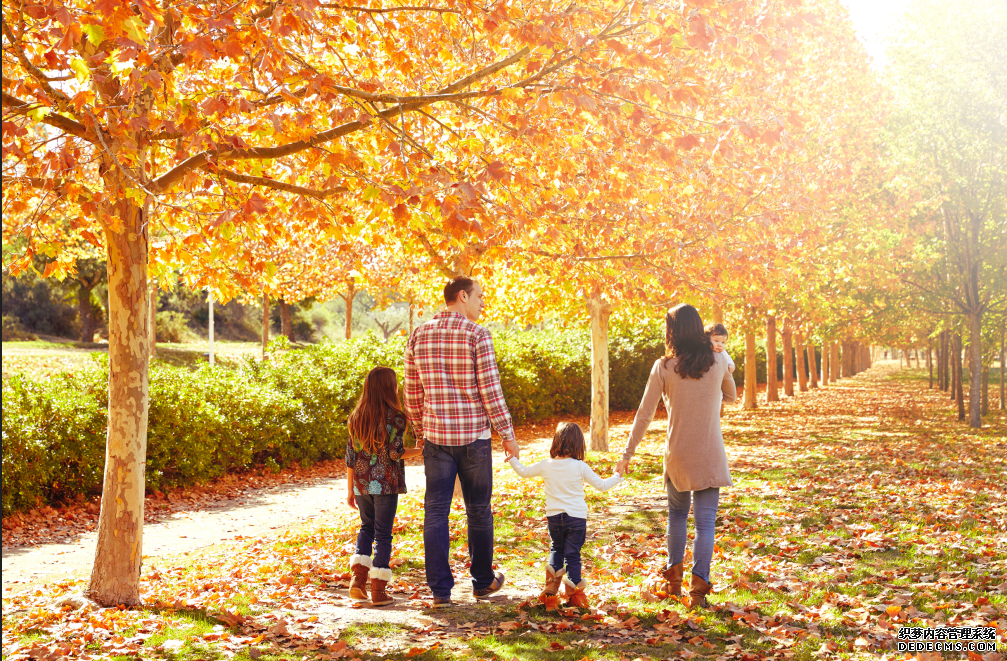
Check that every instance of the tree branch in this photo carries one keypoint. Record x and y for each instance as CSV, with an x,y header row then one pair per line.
x,y
385,10
279,185
173,176
66,124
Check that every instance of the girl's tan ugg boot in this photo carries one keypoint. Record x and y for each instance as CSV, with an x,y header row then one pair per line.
x,y
380,576
360,565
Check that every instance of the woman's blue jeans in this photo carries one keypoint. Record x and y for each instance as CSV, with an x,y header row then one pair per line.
x,y
705,505
377,517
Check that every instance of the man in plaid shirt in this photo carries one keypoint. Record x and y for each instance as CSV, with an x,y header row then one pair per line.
x,y
452,397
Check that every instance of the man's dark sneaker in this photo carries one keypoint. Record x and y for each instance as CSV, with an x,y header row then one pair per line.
x,y
498,582
442,602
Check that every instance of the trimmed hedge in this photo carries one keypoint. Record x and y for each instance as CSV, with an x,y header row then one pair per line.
x,y
290,409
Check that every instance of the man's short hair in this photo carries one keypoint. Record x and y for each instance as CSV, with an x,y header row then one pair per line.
x,y
460,284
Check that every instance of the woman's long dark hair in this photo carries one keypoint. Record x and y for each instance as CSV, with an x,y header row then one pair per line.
x,y
685,339
367,422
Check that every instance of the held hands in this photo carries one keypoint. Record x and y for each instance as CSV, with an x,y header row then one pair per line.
x,y
511,449
622,467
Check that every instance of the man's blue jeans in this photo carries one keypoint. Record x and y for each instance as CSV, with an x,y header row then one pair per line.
x,y
473,465
704,506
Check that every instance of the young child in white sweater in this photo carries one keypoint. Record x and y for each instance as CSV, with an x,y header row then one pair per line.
x,y
565,508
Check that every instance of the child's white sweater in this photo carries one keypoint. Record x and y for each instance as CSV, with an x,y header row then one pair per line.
x,y
564,483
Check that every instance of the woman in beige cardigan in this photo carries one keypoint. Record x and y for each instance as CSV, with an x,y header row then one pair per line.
x,y
693,381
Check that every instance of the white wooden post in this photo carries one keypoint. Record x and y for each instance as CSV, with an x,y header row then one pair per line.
x,y
209,299
600,311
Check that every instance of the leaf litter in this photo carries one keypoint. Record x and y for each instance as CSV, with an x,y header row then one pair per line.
x,y
857,508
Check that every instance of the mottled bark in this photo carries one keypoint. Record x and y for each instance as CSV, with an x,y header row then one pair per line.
x,y
348,297
772,386
115,578
600,312
751,373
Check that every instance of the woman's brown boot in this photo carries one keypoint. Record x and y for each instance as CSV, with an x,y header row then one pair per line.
x,y
553,579
379,581
673,577
575,593
360,565
698,592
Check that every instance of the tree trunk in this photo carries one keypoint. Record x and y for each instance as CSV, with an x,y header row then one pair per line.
x,y
209,305
849,359
600,312
975,369
959,370
285,328
411,309
946,360
1003,355
350,295
788,359
835,364
772,388
87,324
802,375
718,313
115,577
986,391
930,363
265,323
153,319
826,346
812,365
751,373
953,388
868,361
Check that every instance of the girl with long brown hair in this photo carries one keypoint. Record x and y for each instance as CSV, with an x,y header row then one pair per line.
x,y
375,476
693,380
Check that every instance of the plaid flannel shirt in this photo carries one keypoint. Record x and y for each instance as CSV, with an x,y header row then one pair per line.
x,y
452,385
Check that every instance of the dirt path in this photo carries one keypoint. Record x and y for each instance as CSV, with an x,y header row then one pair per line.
x,y
269,510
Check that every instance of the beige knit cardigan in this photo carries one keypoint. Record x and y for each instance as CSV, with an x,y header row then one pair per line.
x,y
694,456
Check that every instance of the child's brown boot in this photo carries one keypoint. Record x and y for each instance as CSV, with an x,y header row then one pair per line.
x,y
575,593
380,577
360,565
673,577
553,579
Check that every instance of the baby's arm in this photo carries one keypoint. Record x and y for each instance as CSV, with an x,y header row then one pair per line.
x,y
589,476
526,471
730,363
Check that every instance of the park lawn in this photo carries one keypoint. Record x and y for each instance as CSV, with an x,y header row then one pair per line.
x,y
43,359
856,509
